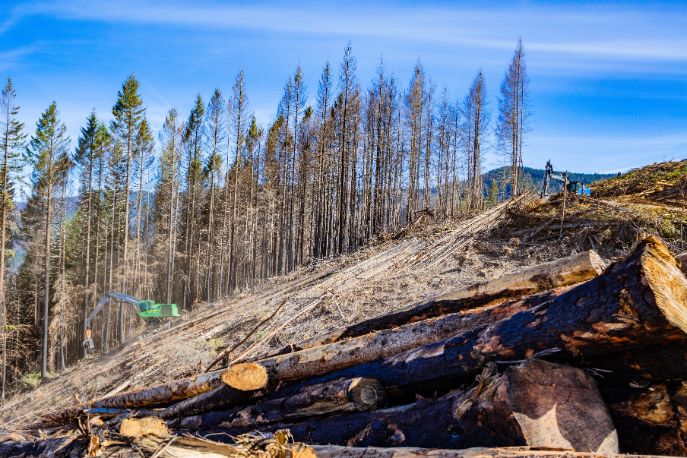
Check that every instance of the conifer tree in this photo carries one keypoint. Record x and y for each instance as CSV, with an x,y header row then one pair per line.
x,y
47,152
238,112
11,143
167,195
193,139
476,120
144,152
128,114
513,115
216,136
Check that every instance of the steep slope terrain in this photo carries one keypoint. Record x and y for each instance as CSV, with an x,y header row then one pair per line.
x,y
420,262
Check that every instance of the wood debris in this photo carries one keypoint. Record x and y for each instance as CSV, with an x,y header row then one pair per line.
x,y
555,360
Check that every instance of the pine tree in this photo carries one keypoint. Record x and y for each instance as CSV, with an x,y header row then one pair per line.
x,y
167,195
193,139
92,143
476,120
47,152
215,138
238,112
11,143
144,153
128,114
513,115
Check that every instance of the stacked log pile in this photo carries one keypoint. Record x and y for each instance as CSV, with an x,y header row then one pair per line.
x,y
569,356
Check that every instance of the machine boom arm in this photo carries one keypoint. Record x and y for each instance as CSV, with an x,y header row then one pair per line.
x,y
104,299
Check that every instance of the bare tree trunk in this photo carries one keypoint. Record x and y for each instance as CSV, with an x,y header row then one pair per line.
x,y
47,253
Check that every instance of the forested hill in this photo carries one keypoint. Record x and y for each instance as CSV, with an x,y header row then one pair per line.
x,y
532,178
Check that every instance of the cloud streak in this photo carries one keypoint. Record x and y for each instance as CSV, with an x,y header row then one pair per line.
x,y
603,32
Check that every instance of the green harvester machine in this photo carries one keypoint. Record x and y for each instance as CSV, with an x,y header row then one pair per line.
x,y
151,309
145,309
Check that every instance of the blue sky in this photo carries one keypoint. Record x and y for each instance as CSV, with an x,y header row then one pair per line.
x,y
608,81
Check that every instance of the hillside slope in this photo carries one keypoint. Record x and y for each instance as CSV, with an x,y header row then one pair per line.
x,y
420,262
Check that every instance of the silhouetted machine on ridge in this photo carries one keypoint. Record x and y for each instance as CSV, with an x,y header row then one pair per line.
x,y
575,187
144,309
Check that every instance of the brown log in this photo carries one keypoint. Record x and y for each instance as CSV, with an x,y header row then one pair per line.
x,y
59,446
240,380
537,404
216,398
638,302
387,342
650,418
657,363
340,396
245,377
559,273
338,451
567,271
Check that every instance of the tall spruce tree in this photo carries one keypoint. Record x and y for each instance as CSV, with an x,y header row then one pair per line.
x,y
11,144
128,114
513,115
47,152
167,195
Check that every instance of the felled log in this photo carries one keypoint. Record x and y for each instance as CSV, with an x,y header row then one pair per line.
x,y
635,303
244,377
537,404
353,395
241,380
571,270
656,363
59,446
338,451
561,272
651,418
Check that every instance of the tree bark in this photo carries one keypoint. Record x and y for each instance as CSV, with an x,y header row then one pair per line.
x,y
337,451
657,363
636,303
242,380
650,419
562,272
242,377
537,404
351,395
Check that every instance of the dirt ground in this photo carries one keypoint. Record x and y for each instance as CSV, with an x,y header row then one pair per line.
x,y
422,262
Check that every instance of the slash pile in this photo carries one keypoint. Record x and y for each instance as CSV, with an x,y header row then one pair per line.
x,y
567,356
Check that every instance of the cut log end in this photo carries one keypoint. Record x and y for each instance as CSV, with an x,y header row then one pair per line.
x,y
367,392
140,427
662,273
245,376
596,262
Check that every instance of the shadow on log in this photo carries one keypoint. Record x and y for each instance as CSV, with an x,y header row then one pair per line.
x,y
535,404
635,303
340,396
650,419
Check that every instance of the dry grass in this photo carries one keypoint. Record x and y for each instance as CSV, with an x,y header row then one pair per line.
x,y
429,260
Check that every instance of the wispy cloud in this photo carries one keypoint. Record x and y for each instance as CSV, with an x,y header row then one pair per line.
x,y
9,58
606,32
